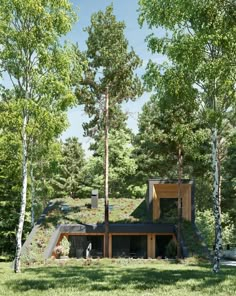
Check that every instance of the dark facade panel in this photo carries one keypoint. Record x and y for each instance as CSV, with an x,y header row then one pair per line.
x,y
118,228
82,228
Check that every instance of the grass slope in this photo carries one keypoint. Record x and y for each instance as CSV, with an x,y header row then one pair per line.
x,y
117,277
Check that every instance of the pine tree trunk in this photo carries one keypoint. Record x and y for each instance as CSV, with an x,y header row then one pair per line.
x,y
23,196
106,173
216,206
32,193
180,168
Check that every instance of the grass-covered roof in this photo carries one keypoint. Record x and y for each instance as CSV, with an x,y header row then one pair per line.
x,y
73,211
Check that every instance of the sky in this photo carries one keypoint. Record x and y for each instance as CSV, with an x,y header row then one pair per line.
x,y
125,10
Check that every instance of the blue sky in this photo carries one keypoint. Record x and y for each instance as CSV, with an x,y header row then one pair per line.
x,y
125,10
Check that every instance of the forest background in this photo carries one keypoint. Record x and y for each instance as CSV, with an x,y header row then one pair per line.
x,y
46,73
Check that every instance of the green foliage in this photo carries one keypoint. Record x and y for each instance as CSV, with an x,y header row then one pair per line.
x,y
205,220
169,121
203,191
110,64
32,255
122,166
68,180
111,67
200,39
46,167
196,246
39,69
171,249
10,177
229,180
65,246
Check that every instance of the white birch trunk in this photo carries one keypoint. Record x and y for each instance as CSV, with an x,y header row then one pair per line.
x,y
32,193
216,206
220,176
23,196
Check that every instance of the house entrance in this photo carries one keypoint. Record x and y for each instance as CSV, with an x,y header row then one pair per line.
x,y
165,246
134,246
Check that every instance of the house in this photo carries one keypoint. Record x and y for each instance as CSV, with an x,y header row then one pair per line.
x,y
144,229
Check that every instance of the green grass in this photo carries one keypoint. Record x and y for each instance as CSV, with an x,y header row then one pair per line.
x,y
123,210
117,277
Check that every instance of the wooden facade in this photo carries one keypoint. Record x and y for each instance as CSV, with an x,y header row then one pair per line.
x,y
171,191
159,190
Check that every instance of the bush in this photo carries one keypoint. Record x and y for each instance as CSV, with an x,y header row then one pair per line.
x,y
63,248
171,249
205,222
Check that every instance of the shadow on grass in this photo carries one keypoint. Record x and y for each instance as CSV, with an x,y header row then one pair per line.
x,y
114,277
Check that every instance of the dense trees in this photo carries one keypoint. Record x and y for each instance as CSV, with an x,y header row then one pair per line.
x,y
202,40
9,191
191,108
39,69
171,116
67,181
122,165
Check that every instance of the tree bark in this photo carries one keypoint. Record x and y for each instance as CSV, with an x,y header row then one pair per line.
x,y
180,169
106,175
23,195
216,205
32,193
219,175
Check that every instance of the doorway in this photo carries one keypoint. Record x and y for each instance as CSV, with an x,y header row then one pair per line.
x,y
165,246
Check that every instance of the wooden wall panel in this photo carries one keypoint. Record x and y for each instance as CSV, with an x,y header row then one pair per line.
x,y
151,246
110,246
156,205
171,191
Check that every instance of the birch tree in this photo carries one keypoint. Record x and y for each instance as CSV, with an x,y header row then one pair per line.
x,y
39,69
201,37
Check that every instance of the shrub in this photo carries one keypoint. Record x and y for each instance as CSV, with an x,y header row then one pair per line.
x,y
205,222
171,249
65,245
63,248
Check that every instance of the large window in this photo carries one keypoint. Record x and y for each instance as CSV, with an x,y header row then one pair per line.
x,y
81,243
129,246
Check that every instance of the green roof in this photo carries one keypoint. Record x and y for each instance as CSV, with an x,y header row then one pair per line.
x,y
75,211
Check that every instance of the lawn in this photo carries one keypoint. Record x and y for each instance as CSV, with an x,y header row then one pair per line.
x,y
117,277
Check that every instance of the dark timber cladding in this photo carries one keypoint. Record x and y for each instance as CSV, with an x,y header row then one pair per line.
x,y
168,189
117,228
